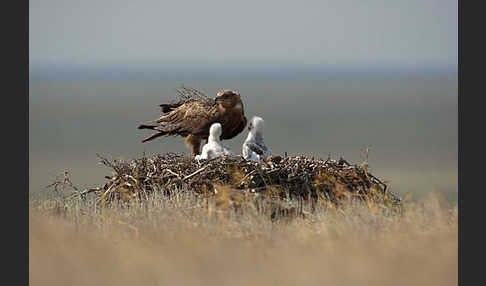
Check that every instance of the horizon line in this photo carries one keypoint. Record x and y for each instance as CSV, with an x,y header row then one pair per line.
x,y
283,71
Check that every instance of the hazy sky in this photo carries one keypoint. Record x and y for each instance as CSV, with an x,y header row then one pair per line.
x,y
245,33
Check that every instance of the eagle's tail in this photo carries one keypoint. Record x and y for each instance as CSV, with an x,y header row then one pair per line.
x,y
153,136
147,126
152,126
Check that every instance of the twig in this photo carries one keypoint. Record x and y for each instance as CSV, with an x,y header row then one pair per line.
x,y
246,176
172,172
195,173
64,183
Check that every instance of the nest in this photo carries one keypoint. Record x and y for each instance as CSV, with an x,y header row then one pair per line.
x,y
278,178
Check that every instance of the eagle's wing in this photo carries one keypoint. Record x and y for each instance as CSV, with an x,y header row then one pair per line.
x,y
168,107
241,126
231,125
236,127
189,118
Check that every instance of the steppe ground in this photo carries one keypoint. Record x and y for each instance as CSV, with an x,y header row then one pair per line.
x,y
182,241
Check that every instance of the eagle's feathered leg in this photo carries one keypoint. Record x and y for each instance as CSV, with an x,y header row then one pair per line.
x,y
193,142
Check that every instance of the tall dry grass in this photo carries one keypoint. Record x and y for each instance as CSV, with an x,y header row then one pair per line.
x,y
188,241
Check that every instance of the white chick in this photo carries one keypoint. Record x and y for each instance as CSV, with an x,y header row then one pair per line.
x,y
214,148
254,148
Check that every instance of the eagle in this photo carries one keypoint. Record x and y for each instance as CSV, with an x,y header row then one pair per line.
x,y
214,148
194,113
254,148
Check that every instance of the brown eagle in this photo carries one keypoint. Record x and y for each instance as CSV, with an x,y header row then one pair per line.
x,y
192,116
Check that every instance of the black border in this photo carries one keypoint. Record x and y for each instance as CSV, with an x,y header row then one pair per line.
x,y
471,148
15,172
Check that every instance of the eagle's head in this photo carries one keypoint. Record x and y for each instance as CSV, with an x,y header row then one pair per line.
x,y
228,98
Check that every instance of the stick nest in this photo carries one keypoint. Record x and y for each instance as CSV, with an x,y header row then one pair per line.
x,y
299,177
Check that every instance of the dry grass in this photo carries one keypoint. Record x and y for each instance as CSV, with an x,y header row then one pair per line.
x,y
185,240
